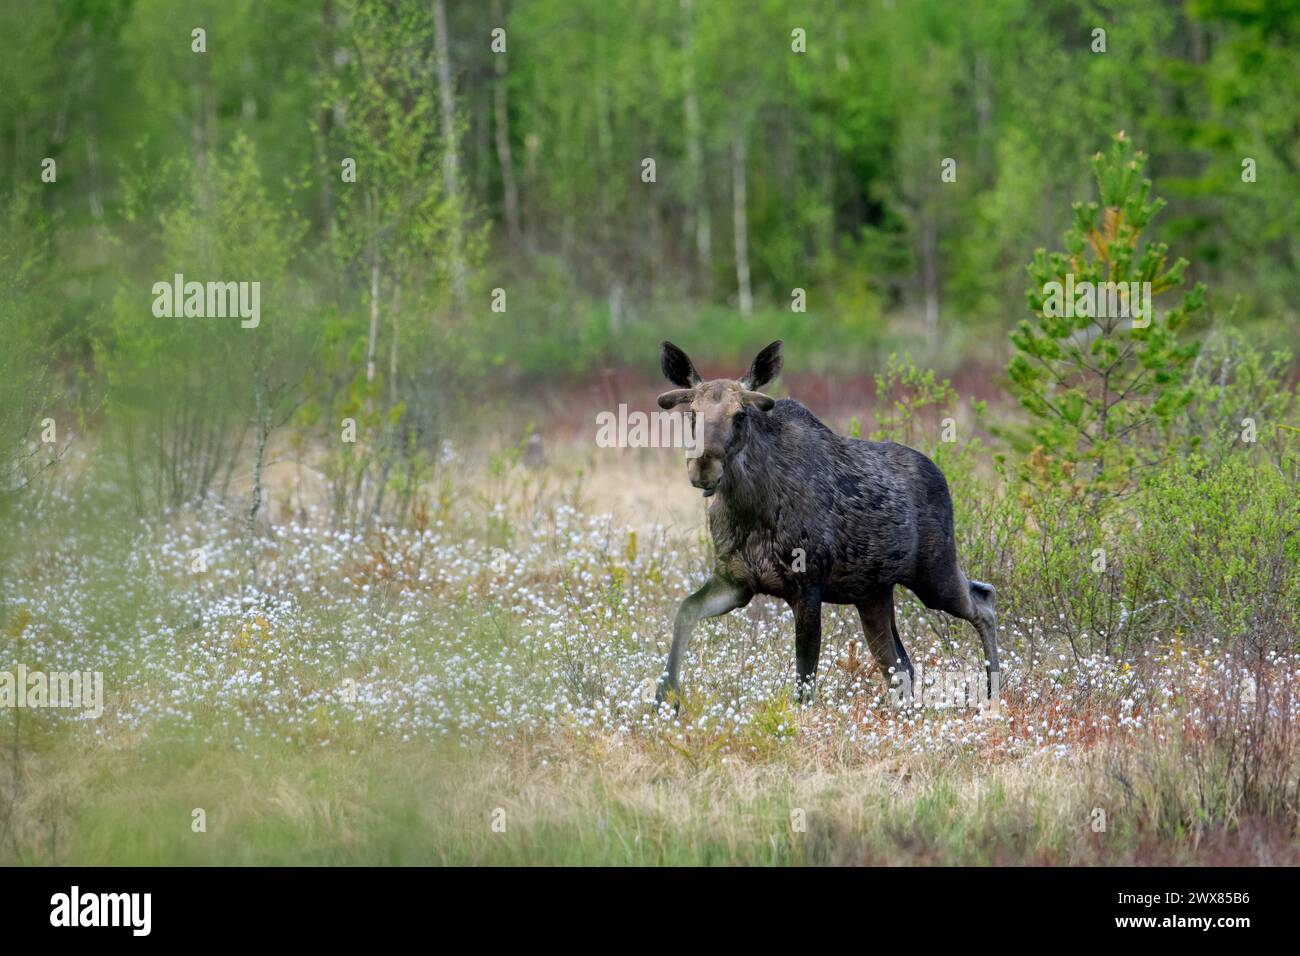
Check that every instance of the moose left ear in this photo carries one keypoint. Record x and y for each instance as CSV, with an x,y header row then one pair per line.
x,y
765,367
673,398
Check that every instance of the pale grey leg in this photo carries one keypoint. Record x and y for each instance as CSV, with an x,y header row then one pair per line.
x,y
714,598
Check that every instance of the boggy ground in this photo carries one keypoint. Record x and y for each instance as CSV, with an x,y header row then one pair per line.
x,y
472,689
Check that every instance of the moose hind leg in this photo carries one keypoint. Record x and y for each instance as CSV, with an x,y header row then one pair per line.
x,y
714,598
881,632
984,616
972,601
899,651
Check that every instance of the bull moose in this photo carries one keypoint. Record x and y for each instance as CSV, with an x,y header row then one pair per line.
x,y
803,514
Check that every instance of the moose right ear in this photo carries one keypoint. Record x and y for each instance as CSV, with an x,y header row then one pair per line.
x,y
677,365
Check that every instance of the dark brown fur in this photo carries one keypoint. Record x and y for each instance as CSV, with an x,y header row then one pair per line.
x,y
812,517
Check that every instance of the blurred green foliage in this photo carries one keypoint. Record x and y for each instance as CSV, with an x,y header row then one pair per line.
x,y
416,258
843,146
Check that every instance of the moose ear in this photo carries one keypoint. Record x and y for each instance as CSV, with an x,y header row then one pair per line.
x,y
675,397
765,367
677,366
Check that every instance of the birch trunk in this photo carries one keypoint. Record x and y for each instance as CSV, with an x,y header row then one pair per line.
x,y
740,224
374,298
702,222
509,189
450,155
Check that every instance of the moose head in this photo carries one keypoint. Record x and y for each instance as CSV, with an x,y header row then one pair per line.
x,y
716,409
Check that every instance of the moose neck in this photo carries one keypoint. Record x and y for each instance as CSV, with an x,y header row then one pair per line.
x,y
747,481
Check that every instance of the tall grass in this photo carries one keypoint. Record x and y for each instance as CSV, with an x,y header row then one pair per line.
x,y
387,697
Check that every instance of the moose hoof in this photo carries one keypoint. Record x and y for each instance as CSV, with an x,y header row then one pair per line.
x,y
668,695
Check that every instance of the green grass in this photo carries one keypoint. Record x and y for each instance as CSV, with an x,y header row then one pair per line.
x,y
595,801
511,690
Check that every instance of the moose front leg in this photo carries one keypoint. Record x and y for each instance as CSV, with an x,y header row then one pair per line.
x,y
807,642
716,597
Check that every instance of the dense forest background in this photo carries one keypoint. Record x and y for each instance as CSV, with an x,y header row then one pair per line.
x,y
439,196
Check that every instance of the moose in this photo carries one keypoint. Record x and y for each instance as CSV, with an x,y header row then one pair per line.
x,y
811,517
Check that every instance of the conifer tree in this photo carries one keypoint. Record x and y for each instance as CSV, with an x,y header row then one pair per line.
x,y
1098,385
